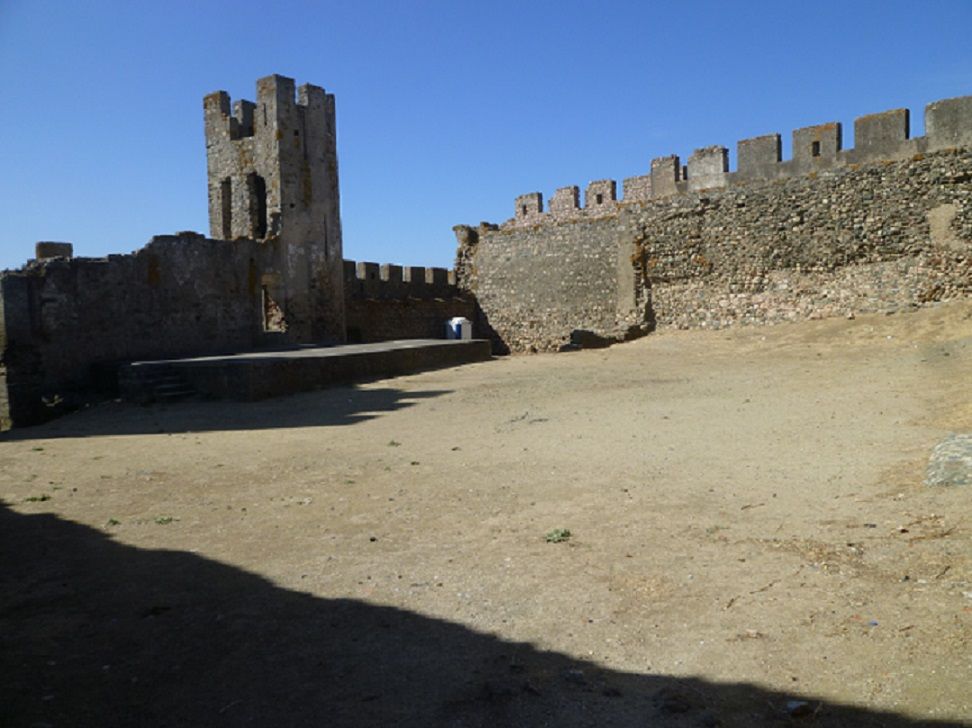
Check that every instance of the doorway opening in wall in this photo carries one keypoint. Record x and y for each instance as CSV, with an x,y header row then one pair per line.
x,y
256,187
273,316
226,207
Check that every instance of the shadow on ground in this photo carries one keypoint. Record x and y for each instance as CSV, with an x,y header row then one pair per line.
x,y
324,408
97,633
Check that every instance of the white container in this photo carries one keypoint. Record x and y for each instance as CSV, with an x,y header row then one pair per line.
x,y
458,328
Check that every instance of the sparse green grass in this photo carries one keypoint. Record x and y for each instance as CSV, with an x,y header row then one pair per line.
x,y
393,443
113,522
558,535
165,520
37,498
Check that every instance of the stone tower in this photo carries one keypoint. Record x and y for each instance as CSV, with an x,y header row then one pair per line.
x,y
273,177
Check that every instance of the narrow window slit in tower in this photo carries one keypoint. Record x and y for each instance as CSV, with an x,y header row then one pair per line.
x,y
226,207
815,149
598,199
257,190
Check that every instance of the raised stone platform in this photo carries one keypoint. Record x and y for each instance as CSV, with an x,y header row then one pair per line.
x,y
258,375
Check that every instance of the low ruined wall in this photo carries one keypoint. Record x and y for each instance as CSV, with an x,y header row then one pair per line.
x,y
178,295
386,302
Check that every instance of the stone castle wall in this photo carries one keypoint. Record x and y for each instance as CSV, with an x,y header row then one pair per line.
x,y
878,237
65,317
385,302
884,225
66,323
535,284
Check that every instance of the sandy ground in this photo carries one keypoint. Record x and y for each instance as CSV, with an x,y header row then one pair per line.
x,y
748,528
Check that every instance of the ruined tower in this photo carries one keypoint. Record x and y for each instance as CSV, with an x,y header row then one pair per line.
x,y
273,177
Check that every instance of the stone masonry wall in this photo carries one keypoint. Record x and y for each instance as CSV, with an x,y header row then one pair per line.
x,y
273,176
386,302
62,318
877,237
534,285
66,322
882,226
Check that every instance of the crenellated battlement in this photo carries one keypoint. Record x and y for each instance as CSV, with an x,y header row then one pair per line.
x,y
884,136
386,301
272,163
366,280
279,104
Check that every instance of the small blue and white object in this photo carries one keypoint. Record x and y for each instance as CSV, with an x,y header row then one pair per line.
x,y
458,328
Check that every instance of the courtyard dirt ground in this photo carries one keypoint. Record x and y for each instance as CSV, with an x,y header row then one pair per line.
x,y
748,528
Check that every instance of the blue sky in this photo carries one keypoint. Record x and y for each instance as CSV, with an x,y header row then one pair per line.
x,y
446,110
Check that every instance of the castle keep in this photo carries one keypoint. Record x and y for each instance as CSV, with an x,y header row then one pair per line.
x,y
273,178
883,226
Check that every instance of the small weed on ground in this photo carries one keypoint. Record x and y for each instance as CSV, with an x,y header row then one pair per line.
x,y
37,498
165,520
558,535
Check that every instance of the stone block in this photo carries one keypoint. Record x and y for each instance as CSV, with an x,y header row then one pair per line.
x,y
45,249
437,277
367,271
565,200
600,194
707,168
881,135
817,146
637,188
948,123
528,206
390,273
414,274
665,174
759,157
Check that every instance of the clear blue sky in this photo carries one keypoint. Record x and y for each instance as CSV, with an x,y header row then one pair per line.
x,y
446,110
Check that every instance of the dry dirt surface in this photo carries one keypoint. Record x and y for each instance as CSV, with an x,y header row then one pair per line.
x,y
750,543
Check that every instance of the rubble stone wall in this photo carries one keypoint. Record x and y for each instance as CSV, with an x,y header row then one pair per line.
x,y
882,226
877,237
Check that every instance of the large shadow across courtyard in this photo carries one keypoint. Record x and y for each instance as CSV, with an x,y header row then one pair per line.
x,y
333,407
97,633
